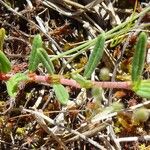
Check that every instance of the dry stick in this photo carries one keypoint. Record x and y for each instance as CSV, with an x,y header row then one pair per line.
x,y
1,141
89,133
105,139
29,4
94,23
93,4
113,137
131,139
94,143
42,123
17,30
77,5
61,10
115,20
49,112
11,104
10,38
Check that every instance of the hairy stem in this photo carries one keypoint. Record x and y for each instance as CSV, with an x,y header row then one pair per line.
x,y
70,82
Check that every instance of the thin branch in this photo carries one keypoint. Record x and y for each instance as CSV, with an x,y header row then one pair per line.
x,y
131,139
42,123
89,133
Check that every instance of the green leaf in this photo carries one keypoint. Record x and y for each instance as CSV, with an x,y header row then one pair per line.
x,y
95,56
35,63
38,54
143,89
5,64
46,63
139,58
33,58
43,56
61,93
2,36
13,82
82,81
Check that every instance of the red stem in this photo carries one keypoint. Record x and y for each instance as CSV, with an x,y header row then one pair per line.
x,y
71,82
118,85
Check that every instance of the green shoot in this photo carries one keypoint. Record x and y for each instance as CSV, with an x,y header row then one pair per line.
x,y
33,58
44,59
2,36
139,58
95,56
61,93
82,81
5,64
13,82
39,55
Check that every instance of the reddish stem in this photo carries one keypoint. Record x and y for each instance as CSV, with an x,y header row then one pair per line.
x,y
4,77
118,85
71,82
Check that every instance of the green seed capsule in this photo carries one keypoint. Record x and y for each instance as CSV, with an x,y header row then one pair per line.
x,y
141,115
97,92
104,74
82,81
117,106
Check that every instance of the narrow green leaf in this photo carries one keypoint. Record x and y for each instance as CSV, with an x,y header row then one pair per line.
x,y
5,65
144,94
143,89
38,54
61,93
139,58
95,56
13,82
2,37
44,61
33,60
45,55
35,63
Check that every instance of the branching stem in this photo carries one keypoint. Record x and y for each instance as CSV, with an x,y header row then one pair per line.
x,y
70,82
